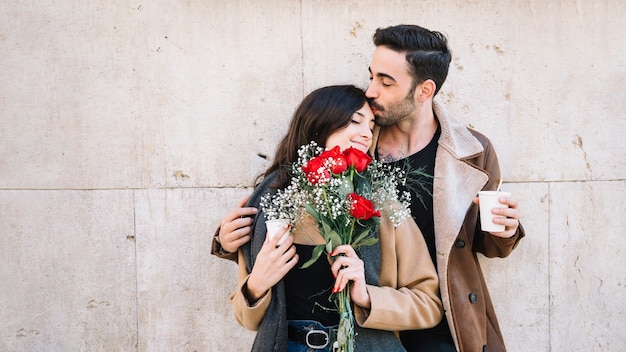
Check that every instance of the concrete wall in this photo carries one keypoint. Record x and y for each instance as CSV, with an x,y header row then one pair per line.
x,y
128,129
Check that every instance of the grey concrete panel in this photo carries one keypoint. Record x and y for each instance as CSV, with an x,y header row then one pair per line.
x,y
237,82
519,284
182,289
78,111
107,96
543,80
146,95
587,266
67,271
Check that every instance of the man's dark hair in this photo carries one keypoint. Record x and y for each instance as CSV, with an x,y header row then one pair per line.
x,y
426,51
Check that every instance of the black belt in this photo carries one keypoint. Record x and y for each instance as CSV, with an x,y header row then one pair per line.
x,y
311,337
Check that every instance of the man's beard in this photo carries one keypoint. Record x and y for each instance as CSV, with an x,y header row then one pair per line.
x,y
394,113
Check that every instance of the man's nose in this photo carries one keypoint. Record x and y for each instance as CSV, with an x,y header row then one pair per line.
x,y
371,91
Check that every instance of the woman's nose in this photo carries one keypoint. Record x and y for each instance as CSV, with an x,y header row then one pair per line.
x,y
367,133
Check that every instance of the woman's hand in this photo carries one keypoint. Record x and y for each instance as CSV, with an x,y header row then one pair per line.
x,y
349,267
235,227
272,263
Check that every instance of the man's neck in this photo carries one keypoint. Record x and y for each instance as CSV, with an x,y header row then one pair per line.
x,y
408,136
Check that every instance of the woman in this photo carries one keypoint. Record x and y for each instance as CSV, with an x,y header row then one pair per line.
x,y
393,287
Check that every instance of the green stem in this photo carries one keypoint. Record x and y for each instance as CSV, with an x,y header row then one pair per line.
x,y
350,231
345,332
326,201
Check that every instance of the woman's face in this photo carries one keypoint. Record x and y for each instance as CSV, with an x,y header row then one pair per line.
x,y
357,134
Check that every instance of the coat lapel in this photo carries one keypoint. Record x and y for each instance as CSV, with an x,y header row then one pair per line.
x,y
456,181
455,185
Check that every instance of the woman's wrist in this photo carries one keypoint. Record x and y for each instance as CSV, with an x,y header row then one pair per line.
x,y
253,293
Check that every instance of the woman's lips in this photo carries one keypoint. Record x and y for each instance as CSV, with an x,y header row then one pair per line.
x,y
361,146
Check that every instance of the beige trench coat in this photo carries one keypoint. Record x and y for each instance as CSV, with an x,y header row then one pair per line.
x,y
408,295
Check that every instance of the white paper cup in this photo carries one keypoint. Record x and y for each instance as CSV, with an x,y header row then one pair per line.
x,y
274,227
488,200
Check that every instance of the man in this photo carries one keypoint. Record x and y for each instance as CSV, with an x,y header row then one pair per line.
x,y
408,67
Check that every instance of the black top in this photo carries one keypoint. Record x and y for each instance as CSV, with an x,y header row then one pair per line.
x,y
307,291
438,338
422,197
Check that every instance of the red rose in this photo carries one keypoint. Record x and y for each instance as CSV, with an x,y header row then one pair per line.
x,y
357,158
335,160
316,172
361,208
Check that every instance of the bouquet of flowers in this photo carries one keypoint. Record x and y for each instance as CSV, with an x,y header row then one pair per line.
x,y
345,193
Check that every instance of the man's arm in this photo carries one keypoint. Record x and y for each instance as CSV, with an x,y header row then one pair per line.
x,y
218,251
499,244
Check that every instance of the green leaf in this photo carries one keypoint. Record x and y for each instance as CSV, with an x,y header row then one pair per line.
x,y
335,239
317,252
329,246
368,242
345,330
313,212
326,228
360,237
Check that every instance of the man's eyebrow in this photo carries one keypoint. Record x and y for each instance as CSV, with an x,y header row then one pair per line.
x,y
383,75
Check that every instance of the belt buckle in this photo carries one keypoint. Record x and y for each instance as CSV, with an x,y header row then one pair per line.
x,y
314,333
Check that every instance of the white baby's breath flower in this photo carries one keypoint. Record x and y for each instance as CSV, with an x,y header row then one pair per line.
x,y
328,196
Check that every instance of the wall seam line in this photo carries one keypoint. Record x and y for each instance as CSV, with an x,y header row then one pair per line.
x,y
549,267
136,273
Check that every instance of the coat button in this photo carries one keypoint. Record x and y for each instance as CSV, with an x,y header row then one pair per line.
x,y
473,297
459,243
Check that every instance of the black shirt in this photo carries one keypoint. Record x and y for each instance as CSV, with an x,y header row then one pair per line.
x,y
421,167
307,291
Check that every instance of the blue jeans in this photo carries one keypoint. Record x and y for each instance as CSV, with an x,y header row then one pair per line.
x,y
299,336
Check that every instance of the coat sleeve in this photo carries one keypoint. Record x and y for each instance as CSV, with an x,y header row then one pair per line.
x,y
408,295
484,242
217,250
247,315
494,246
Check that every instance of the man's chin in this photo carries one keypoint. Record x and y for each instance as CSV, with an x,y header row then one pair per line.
x,y
383,122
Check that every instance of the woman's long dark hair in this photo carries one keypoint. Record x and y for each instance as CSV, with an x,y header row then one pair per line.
x,y
322,112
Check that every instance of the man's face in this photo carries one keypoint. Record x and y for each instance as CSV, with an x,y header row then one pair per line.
x,y
391,90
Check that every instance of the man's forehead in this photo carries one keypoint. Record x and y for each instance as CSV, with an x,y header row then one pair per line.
x,y
387,62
